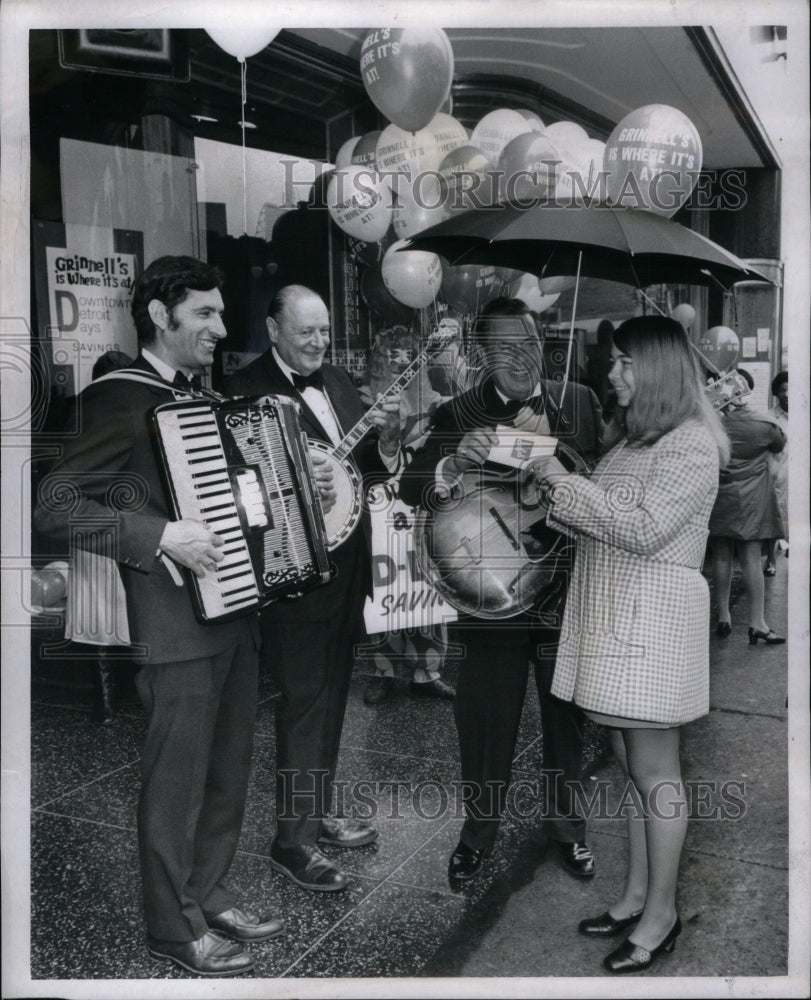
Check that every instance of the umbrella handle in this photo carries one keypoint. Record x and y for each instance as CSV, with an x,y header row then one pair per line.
x,y
571,329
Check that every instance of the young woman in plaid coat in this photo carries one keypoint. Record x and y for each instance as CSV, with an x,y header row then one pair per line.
x,y
634,652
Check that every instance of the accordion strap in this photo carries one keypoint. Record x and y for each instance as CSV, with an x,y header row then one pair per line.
x,y
134,375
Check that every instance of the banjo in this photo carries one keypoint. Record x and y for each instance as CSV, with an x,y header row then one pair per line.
x,y
342,519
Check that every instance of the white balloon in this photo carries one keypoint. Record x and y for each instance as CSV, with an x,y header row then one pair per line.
x,y
359,202
413,277
496,129
344,155
529,292
243,42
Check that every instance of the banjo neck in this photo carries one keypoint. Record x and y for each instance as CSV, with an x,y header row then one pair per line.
x,y
436,344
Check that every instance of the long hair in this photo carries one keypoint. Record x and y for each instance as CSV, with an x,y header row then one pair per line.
x,y
169,280
668,388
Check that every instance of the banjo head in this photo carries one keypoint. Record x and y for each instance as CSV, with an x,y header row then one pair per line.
x,y
342,519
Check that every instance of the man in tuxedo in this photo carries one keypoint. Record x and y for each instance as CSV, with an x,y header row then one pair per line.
x,y
313,637
492,681
197,683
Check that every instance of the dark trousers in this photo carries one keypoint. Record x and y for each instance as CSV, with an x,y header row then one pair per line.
x,y
490,694
194,781
313,664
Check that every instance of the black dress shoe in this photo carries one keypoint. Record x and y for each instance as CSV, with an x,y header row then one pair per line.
x,y
466,862
578,859
346,833
437,688
242,925
209,955
770,637
630,957
378,689
723,629
607,926
307,867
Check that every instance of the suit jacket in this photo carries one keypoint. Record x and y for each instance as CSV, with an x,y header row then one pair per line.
x,y
577,422
263,376
111,473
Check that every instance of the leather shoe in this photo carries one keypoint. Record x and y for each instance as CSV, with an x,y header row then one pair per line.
x,y
607,926
466,862
437,688
307,867
630,957
209,955
242,925
378,689
578,859
346,833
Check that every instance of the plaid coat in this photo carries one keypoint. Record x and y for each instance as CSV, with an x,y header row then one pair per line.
x,y
635,636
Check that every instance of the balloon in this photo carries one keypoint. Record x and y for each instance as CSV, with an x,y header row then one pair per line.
x,y
684,314
359,202
419,152
243,42
365,152
565,134
527,167
496,129
413,277
467,288
371,254
380,300
419,206
653,158
508,275
532,118
530,290
49,585
464,172
578,174
720,345
407,73
344,155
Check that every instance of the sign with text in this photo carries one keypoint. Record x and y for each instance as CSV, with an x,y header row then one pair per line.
x,y
89,299
403,598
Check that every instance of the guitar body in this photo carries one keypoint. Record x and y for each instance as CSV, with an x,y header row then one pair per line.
x,y
488,553
342,519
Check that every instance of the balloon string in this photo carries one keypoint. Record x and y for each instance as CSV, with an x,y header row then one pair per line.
x,y
244,79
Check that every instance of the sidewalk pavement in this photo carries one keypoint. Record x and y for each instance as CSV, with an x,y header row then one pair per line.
x,y
733,884
400,927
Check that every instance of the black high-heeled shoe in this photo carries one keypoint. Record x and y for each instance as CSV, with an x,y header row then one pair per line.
x,y
723,629
630,957
770,637
607,926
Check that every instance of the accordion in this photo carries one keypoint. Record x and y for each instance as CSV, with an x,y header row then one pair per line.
x,y
242,468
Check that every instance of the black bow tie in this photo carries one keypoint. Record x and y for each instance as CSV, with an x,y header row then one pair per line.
x,y
315,380
184,382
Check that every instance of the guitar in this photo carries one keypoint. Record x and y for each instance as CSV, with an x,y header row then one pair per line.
x,y
342,519
487,549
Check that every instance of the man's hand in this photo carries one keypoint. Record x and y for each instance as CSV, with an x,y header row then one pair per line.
x,y
387,420
471,451
193,545
323,480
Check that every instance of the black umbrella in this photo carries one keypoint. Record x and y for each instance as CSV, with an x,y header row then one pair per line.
x,y
626,245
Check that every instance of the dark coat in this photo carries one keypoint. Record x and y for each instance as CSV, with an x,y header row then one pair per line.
x,y
263,376
112,468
